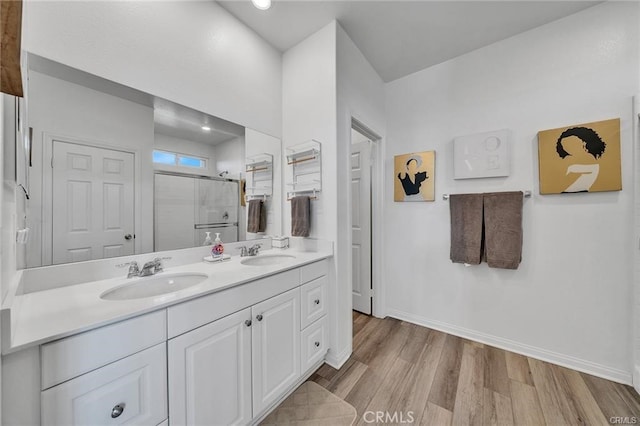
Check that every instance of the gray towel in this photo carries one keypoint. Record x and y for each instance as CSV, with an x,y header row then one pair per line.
x,y
466,228
300,216
256,217
503,229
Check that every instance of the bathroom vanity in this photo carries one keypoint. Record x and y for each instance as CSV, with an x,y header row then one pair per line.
x,y
225,350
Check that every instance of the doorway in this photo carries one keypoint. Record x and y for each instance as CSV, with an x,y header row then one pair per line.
x,y
363,154
92,203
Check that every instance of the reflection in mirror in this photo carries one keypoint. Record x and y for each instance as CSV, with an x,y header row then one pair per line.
x,y
116,171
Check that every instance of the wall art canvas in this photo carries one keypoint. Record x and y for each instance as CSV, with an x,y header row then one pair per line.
x,y
414,176
580,158
481,155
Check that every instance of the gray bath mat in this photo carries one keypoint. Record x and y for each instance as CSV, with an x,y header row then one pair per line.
x,y
311,404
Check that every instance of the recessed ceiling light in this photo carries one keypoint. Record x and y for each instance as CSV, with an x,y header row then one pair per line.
x,y
206,128
262,4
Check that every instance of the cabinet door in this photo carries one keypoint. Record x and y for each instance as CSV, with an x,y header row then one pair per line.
x,y
275,347
210,373
130,391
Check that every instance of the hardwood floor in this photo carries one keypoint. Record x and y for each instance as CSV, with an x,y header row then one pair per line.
x,y
398,367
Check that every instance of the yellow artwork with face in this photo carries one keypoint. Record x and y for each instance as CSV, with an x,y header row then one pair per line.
x,y
414,176
580,158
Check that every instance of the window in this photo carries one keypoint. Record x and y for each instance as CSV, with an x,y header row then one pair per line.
x,y
175,159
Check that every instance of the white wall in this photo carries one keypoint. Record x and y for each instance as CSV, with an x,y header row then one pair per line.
x,y
257,143
229,156
570,299
360,95
636,248
7,195
75,113
191,52
309,112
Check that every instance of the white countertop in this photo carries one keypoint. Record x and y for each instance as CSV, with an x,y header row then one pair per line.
x,y
48,315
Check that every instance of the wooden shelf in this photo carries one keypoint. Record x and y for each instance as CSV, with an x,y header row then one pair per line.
x,y
10,72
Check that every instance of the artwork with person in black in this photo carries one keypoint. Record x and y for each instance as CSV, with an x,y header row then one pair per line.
x,y
580,158
585,147
412,179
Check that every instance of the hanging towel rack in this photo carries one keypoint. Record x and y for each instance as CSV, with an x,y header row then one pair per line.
x,y
291,194
527,194
248,197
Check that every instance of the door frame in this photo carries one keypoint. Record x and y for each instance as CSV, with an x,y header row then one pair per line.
x,y
377,217
47,188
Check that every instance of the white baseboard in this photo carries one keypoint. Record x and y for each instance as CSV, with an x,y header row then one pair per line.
x,y
337,361
563,360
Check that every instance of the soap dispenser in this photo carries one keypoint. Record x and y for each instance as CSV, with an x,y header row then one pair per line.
x,y
218,248
207,239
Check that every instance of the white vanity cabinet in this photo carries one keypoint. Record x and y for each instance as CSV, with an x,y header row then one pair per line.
x,y
222,358
210,373
276,347
233,369
223,372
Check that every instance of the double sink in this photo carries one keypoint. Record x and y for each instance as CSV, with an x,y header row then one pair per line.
x,y
170,283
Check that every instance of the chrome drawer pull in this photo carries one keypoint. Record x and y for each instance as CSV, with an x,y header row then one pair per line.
x,y
317,301
117,410
247,323
259,317
317,344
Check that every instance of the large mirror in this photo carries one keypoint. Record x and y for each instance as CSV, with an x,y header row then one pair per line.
x,y
113,171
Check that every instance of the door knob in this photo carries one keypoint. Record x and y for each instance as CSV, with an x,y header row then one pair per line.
x,y
317,301
117,410
128,237
259,317
247,323
317,344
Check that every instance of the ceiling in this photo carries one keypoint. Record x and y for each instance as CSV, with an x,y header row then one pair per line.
x,y
401,37
178,121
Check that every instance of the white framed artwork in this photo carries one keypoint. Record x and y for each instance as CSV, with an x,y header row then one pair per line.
x,y
481,155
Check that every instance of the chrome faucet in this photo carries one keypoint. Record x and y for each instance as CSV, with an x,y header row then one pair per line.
x,y
251,251
151,268
134,269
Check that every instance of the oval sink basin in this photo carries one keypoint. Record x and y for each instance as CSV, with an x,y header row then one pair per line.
x,y
267,259
153,286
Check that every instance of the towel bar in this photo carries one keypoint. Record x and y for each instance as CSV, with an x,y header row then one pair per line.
x,y
248,197
527,194
312,197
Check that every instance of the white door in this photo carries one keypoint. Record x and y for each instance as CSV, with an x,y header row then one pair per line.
x,y
361,225
93,203
275,347
210,373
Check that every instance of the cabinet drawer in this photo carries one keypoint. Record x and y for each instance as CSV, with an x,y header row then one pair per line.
x,y
313,271
70,357
136,386
313,297
314,344
203,310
